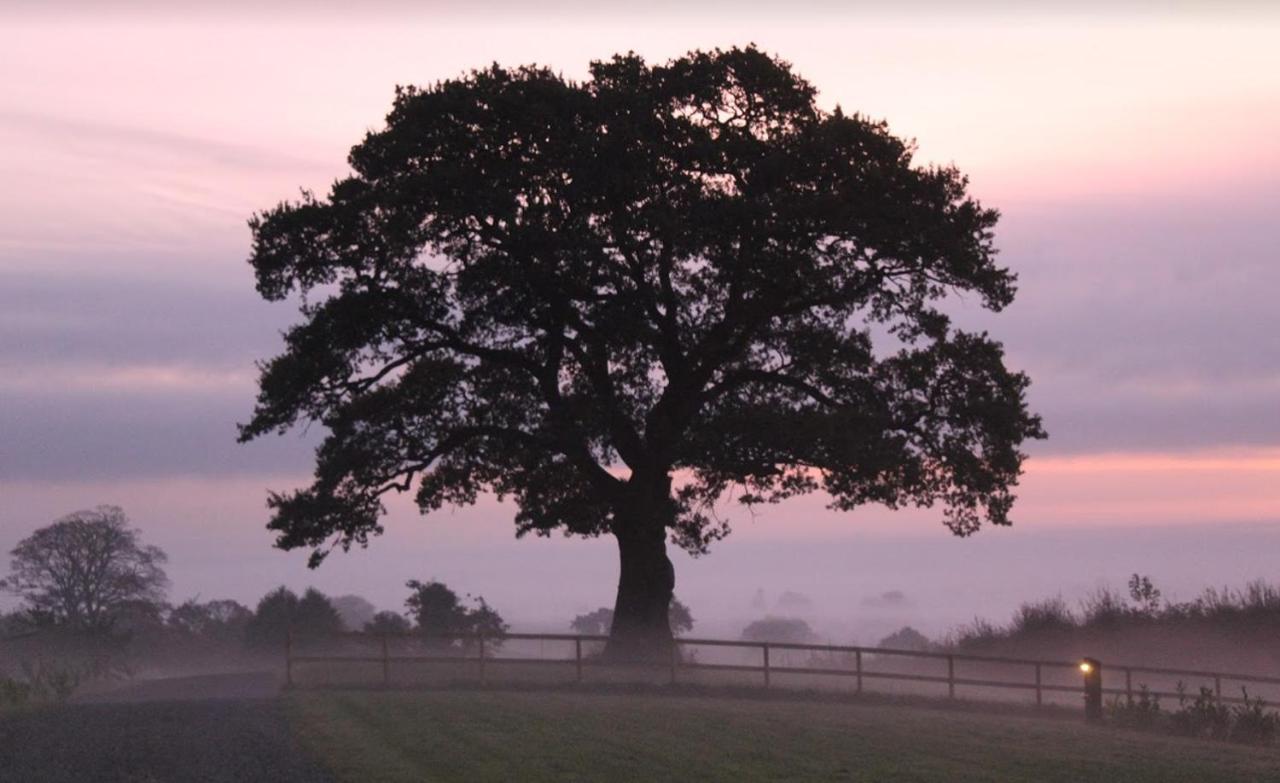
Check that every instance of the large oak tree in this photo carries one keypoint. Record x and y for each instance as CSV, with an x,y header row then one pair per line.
x,y
619,301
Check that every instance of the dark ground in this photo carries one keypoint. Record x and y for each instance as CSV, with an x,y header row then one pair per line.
x,y
185,730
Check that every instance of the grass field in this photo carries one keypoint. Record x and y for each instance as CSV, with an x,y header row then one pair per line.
x,y
565,736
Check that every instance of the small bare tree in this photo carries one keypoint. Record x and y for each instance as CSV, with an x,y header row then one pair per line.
x,y
86,570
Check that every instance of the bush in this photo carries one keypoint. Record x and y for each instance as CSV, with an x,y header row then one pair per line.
x,y
1204,716
1252,723
14,693
979,633
1140,713
1105,607
1051,614
50,681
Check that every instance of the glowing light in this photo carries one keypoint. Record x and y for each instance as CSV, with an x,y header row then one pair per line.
x,y
1086,667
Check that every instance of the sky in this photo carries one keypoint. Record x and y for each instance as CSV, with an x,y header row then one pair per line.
x,y
1133,150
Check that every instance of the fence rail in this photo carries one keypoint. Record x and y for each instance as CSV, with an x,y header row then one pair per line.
x,y
480,651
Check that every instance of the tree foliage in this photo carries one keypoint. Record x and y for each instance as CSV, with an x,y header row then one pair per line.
x,y
682,267
281,613
220,620
438,613
389,623
88,571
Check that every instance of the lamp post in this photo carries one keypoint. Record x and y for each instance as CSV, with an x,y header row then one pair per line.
x,y
1092,671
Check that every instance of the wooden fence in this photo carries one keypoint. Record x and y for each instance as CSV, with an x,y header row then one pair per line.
x,y
482,653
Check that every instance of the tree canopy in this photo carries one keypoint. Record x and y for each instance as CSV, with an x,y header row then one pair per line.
x,y
88,571
281,613
622,300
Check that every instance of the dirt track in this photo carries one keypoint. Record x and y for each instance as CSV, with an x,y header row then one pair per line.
x,y
198,729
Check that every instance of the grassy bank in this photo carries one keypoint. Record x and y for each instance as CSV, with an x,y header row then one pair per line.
x,y
535,736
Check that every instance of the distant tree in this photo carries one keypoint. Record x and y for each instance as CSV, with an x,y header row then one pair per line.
x,y
595,623
599,622
354,611
438,612
791,630
564,292
87,571
906,638
281,612
221,620
390,623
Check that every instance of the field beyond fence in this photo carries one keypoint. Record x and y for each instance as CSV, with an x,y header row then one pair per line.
x,y
413,660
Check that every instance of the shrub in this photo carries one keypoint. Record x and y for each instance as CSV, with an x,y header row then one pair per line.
x,y
978,633
1051,614
1140,713
14,693
1204,716
1252,723
1105,607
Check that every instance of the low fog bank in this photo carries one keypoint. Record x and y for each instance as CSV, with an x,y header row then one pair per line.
x,y
954,593
853,589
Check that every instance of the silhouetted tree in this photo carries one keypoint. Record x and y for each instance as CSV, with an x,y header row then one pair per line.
x,y
281,612
779,629
438,612
391,623
562,292
87,571
599,622
221,620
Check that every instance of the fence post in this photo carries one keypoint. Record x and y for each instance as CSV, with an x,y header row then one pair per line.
x,y
675,659
951,677
1039,690
857,659
1092,671
386,663
577,655
765,648
288,657
1128,686
1217,685
481,658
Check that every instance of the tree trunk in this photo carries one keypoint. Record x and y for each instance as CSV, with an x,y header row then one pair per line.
x,y
641,628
